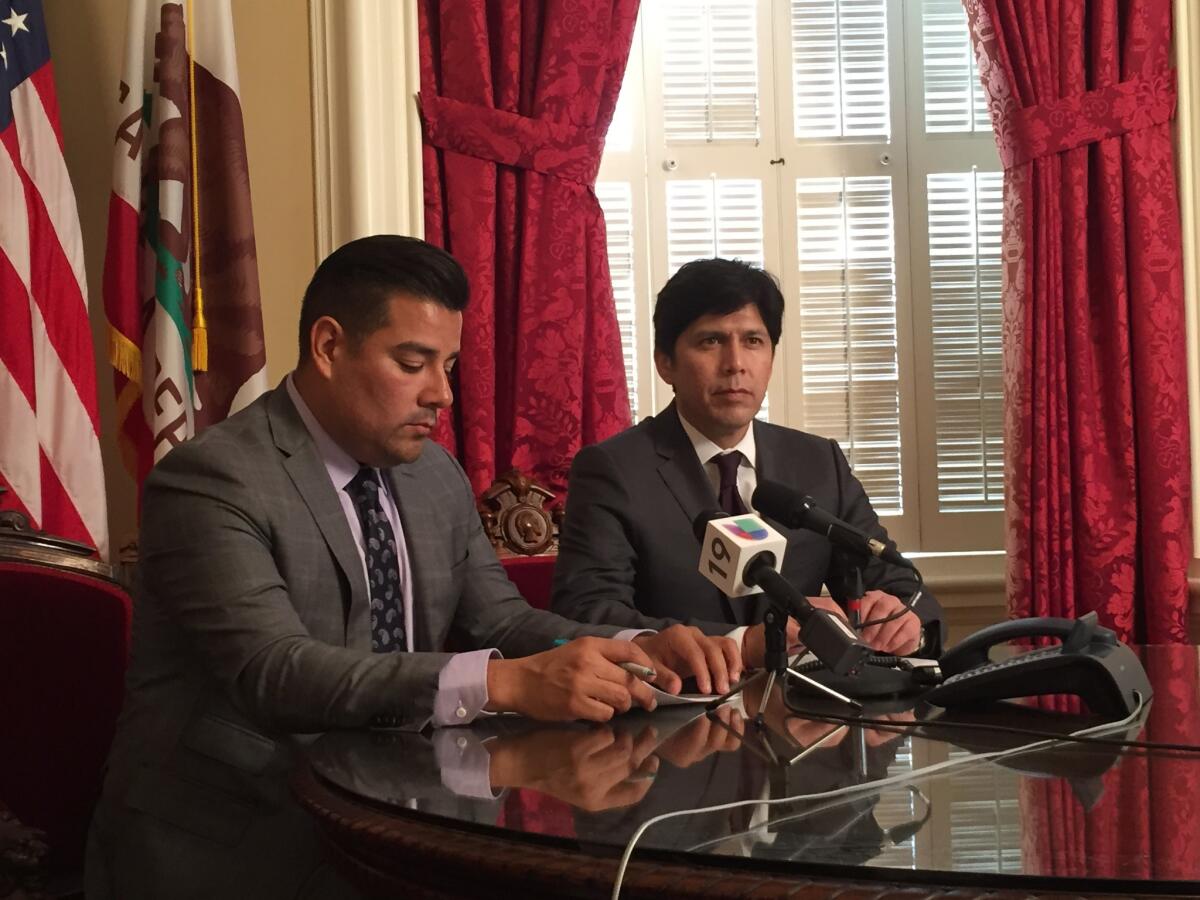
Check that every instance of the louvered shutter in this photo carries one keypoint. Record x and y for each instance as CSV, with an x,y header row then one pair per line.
x,y
710,71
848,345
616,199
840,69
965,211
954,98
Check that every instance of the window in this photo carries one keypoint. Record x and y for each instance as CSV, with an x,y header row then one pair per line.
x,y
846,146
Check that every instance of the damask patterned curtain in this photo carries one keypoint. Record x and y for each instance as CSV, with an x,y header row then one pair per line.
x,y
516,98
1096,435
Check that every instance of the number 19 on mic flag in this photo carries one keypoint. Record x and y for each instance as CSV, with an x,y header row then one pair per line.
x,y
729,545
49,425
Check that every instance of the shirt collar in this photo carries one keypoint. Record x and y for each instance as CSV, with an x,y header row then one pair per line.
x,y
706,449
341,466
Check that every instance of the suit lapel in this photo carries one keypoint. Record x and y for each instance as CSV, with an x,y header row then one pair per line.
x,y
680,469
771,463
311,479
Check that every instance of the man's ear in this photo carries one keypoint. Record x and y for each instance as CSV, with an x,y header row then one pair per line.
x,y
326,340
665,366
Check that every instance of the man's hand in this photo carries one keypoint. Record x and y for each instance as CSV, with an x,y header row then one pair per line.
x,y
592,770
580,680
899,637
754,643
683,650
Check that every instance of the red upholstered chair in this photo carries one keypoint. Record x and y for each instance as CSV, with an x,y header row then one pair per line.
x,y
64,644
524,533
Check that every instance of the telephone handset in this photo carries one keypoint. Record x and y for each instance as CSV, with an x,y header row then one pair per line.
x,y
1090,662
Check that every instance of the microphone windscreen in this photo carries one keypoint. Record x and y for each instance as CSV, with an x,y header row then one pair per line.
x,y
700,523
780,502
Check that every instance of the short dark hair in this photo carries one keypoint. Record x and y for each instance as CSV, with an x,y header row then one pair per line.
x,y
355,282
720,286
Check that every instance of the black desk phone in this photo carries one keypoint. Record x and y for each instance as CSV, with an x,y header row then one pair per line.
x,y
1090,662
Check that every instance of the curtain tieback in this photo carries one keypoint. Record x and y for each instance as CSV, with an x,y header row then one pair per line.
x,y
1032,132
567,151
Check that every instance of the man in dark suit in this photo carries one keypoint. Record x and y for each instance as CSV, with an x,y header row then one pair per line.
x,y
628,555
305,562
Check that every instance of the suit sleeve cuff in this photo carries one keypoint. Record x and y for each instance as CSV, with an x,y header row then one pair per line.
x,y
462,688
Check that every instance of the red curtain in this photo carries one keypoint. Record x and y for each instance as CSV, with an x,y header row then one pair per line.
x,y
516,98
1096,432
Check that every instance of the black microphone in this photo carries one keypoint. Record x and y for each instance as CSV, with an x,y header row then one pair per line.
x,y
731,559
796,510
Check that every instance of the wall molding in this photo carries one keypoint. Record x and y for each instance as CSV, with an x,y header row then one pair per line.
x,y
366,130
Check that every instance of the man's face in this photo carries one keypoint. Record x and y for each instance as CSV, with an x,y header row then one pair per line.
x,y
720,372
386,389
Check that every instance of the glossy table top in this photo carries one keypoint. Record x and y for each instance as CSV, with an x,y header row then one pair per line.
x,y
905,793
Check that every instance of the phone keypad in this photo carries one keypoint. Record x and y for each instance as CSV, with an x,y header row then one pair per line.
x,y
1020,658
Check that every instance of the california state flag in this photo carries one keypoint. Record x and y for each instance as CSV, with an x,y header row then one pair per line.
x,y
185,334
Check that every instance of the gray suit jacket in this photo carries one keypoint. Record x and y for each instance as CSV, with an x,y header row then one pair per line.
x,y
252,618
628,555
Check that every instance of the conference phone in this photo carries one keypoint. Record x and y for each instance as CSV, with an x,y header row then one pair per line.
x,y
1088,661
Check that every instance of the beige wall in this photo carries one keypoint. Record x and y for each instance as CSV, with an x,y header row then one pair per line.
x,y
87,44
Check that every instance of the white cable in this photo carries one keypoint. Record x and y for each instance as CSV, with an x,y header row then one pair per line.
x,y
870,786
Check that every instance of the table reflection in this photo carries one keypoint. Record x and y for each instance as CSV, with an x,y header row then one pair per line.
x,y
1063,805
908,791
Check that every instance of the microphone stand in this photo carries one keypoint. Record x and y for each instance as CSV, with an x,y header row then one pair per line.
x,y
775,658
775,662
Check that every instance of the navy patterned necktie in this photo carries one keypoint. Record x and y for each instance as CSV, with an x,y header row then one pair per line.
x,y
727,494
383,570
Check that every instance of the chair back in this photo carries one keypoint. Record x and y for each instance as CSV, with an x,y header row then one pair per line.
x,y
64,646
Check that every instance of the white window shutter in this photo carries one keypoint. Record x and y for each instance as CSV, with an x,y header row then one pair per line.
x,y
714,217
840,69
710,71
965,212
616,199
848,343
954,98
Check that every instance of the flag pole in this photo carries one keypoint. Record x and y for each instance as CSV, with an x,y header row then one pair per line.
x,y
199,325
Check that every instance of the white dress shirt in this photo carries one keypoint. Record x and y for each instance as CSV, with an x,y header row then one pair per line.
x,y
747,477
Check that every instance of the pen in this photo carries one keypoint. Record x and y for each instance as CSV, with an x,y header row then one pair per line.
x,y
644,672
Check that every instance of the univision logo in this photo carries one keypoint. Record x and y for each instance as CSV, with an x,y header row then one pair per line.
x,y
748,529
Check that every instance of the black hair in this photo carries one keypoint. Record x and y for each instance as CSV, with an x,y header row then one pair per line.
x,y
720,286
355,282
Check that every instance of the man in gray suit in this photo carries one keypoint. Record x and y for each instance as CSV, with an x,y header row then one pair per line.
x,y
628,555
305,563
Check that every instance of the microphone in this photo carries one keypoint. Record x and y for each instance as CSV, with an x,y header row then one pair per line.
x,y
741,555
796,510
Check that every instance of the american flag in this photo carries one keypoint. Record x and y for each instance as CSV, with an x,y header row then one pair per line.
x,y
49,425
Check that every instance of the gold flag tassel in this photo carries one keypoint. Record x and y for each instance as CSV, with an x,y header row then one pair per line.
x,y
199,324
